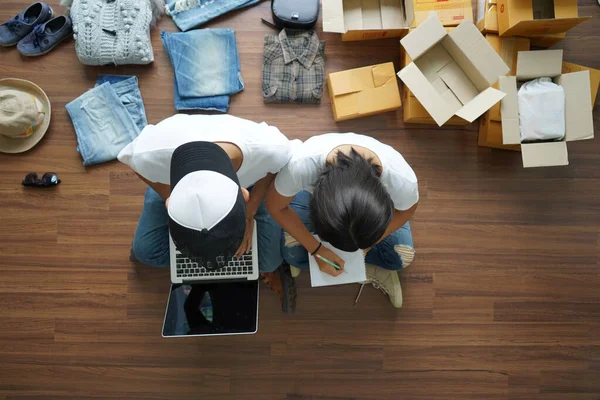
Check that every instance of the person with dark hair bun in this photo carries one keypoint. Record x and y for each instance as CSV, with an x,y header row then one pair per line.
x,y
353,192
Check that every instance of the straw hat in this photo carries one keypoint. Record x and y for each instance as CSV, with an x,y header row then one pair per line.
x,y
24,115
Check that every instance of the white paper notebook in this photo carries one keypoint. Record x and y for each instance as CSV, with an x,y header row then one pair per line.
x,y
354,267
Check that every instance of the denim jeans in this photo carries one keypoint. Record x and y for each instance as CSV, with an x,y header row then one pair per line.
x,y
151,239
387,254
188,14
206,66
107,118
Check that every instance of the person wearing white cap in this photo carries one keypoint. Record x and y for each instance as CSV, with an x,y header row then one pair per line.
x,y
208,176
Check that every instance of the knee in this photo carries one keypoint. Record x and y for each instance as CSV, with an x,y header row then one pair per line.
x,y
405,253
148,254
292,251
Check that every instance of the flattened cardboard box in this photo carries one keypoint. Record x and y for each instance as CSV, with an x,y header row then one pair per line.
x,y
537,17
363,91
579,124
451,73
413,111
367,19
449,12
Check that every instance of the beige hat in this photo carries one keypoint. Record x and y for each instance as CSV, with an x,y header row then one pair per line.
x,y
24,115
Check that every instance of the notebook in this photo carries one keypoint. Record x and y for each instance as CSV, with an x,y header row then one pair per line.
x,y
354,267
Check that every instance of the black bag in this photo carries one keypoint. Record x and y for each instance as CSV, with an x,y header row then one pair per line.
x,y
295,14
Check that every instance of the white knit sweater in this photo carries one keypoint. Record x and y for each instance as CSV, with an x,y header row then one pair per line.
x,y
114,32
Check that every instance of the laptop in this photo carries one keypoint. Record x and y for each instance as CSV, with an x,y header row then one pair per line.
x,y
208,302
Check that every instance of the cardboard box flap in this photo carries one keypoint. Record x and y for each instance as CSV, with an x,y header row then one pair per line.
x,y
427,95
544,154
370,101
382,74
543,26
509,110
594,77
423,38
475,55
359,79
480,104
333,16
533,64
579,122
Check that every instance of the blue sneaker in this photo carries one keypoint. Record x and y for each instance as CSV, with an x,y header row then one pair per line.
x,y
45,37
23,23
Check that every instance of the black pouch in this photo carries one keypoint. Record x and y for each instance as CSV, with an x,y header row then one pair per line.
x,y
295,14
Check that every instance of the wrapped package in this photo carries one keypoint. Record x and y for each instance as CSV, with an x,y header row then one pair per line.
x,y
541,110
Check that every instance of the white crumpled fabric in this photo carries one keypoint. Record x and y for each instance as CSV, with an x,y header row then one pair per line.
x,y
541,110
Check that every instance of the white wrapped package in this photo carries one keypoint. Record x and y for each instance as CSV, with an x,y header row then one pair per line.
x,y
541,110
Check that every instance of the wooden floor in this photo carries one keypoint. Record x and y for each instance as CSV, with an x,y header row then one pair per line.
x,y
502,301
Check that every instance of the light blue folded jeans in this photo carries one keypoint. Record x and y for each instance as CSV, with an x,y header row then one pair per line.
x,y
107,118
188,14
206,66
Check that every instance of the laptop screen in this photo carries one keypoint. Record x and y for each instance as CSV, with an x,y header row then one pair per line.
x,y
212,309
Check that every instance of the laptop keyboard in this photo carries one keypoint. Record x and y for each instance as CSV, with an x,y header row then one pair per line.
x,y
190,268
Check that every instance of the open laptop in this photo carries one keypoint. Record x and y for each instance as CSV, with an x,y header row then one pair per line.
x,y
209,302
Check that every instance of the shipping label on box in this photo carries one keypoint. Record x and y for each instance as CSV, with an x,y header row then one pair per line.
x,y
363,91
537,17
367,19
579,124
451,73
449,12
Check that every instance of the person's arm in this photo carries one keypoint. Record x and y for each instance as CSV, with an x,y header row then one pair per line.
x,y
278,207
163,190
257,195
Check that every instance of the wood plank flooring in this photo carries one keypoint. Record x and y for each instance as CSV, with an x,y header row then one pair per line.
x,y
502,301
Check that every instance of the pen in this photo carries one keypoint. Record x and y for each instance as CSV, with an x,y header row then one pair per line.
x,y
334,265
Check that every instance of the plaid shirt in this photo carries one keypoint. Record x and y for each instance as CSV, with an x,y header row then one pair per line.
x,y
293,67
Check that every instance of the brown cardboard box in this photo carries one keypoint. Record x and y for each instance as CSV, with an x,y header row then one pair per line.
x,y
490,134
487,16
413,111
367,19
451,73
579,123
449,12
537,17
363,91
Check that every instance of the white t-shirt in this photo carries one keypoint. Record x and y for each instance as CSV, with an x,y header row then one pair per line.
x,y
309,158
265,149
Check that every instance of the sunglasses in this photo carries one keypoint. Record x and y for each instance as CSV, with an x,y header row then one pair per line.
x,y
49,179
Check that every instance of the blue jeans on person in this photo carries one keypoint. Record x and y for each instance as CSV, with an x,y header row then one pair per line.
x,y
151,239
206,65
107,118
188,14
385,254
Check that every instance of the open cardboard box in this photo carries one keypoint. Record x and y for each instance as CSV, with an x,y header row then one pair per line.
x,y
579,124
363,91
537,17
449,12
412,110
367,19
451,73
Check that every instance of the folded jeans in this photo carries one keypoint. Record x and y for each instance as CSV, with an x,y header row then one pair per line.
x,y
206,65
107,118
188,14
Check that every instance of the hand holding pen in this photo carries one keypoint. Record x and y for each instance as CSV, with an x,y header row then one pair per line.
x,y
329,262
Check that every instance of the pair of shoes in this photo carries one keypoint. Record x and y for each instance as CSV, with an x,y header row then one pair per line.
x,y
34,31
385,280
282,283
